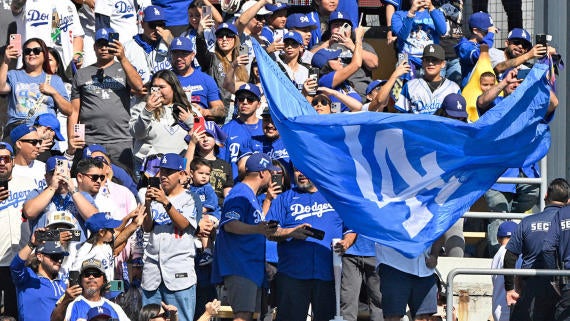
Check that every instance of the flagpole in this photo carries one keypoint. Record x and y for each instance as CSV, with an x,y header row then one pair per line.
x,y
337,266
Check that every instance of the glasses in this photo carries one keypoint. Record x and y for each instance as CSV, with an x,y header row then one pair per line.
x,y
323,102
250,98
94,177
101,159
5,159
34,142
259,17
154,25
93,273
227,34
36,51
293,44
164,315
56,257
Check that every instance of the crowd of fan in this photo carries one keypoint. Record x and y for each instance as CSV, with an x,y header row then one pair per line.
x,y
140,165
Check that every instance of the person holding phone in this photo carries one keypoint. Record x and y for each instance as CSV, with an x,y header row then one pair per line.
x,y
33,89
154,124
305,263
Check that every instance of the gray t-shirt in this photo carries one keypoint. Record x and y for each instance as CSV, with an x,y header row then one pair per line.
x,y
105,103
360,79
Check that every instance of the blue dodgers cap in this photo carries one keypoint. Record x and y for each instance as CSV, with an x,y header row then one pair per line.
x,y
7,146
173,161
227,26
182,44
299,20
103,33
99,311
215,131
101,220
480,20
153,13
338,15
322,57
276,7
293,35
260,162
373,85
507,229
52,247
519,33
20,131
252,88
51,163
89,150
49,120
455,105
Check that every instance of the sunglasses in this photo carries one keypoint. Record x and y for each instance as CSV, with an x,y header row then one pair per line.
x,y
34,142
227,34
250,98
36,51
56,257
165,315
154,25
101,159
6,159
94,177
291,43
93,273
259,17
519,42
323,102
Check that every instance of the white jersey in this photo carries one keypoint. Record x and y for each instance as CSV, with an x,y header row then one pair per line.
x,y
417,98
147,64
36,19
15,234
35,171
123,16
77,310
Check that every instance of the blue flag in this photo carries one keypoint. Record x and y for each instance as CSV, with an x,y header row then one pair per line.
x,y
399,179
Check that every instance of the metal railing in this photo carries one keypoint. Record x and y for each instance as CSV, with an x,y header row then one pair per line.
x,y
524,272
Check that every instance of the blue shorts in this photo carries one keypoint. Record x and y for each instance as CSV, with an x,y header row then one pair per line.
x,y
400,289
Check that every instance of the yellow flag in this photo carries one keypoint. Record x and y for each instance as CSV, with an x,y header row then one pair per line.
x,y
473,90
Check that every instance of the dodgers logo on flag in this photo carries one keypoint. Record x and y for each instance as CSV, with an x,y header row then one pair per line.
x,y
402,180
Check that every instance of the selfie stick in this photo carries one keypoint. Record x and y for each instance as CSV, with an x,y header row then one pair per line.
x,y
337,266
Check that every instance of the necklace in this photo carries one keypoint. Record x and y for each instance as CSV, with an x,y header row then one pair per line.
x,y
436,84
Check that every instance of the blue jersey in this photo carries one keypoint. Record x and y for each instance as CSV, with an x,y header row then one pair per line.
x,y
344,88
208,198
37,295
200,85
557,241
274,148
310,258
529,237
469,52
236,254
239,134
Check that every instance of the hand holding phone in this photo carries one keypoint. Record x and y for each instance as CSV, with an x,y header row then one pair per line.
x,y
73,278
277,179
154,182
273,224
79,131
62,167
317,234
206,11
16,42
243,50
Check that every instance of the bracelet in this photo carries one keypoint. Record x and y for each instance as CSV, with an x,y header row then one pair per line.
x,y
75,190
31,245
79,53
167,207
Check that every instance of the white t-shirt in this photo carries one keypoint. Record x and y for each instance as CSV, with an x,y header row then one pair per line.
x,y
35,171
123,16
500,309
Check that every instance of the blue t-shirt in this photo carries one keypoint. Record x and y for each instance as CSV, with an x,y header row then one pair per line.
x,y
242,255
530,235
208,198
345,88
202,86
25,93
309,258
37,295
239,134
469,52
274,148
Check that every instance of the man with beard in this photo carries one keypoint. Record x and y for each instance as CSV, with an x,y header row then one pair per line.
x,y
12,196
305,262
62,194
94,284
38,285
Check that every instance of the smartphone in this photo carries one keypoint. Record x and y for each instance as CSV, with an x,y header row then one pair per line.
x,y
318,234
345,29
402,57
62,167
116,286
154,182
243,50
278,34
541,39
154,89
199,124
79,131
4,184
113,36
206,11
277,179
47,235
273,224
176,110
335,107
75,234
16,41
314,74
73,278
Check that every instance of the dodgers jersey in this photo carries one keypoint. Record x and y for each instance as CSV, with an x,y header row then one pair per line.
x,y
417,98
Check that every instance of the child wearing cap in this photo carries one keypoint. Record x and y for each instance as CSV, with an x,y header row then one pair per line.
x,y
107,239
501,310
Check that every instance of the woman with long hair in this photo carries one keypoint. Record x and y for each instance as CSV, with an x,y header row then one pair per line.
x,y
159,124
56,68
32,91
290,58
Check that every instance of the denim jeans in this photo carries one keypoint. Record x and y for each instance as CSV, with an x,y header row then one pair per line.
x,y
183,300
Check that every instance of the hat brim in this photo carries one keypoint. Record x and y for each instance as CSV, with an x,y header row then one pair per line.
x,y
92,267
455,113
58,135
